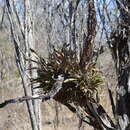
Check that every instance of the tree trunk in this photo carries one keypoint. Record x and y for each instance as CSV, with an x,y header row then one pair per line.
x,y
120,40
29,42
23,41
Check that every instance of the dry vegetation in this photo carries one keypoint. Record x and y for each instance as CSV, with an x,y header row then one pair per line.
x,y
14,117
77,73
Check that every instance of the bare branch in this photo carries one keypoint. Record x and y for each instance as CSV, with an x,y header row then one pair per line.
x,y
55,89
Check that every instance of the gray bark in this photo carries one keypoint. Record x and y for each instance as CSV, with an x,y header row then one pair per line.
x,y
29,42
121,54
23,41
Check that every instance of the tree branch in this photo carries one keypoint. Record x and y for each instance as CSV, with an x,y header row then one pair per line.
x,y
55,89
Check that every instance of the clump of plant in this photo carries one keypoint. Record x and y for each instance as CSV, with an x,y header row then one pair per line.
x,y
79,85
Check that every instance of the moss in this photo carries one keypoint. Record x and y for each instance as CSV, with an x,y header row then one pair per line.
x,y
4,76
17,75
